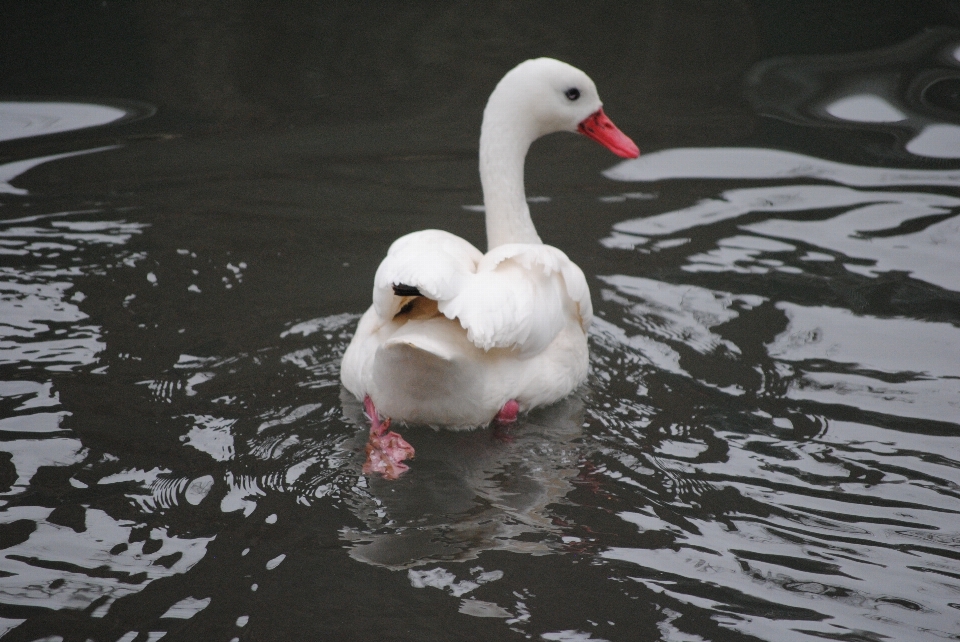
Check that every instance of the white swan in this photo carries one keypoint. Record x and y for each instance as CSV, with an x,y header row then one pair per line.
x,y
458,338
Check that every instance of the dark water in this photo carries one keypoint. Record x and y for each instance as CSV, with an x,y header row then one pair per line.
x,y
194,198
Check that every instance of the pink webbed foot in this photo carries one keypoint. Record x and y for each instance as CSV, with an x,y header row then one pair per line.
x,y
386,450
503,420
508,414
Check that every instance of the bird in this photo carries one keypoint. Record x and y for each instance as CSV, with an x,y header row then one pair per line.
x,y
457,338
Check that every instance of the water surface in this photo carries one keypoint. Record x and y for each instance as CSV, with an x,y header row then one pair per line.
x,y
192,207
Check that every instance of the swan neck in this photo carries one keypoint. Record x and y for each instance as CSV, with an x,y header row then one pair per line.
x,y
503,150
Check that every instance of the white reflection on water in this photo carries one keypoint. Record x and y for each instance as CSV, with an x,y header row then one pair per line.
x,y
24,119
854,576
186,608
211,435
749,163
39,316
62,562
59,566
936,141
900,90
9,171
866,230
29,455
925,355
858,522
668,316
85,562
865,108
817,554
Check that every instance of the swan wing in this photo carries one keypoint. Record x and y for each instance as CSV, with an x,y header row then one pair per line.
x,y
434,262
521,296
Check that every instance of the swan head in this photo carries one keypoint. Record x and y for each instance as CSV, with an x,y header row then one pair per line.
x,y
543,95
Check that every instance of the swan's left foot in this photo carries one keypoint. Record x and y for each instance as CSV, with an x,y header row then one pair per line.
x,y
386,450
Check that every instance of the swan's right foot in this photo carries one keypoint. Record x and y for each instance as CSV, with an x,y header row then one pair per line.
x,y
386,450
504,419
508,414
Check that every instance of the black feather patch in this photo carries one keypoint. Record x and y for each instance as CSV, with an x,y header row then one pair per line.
x,y
401,289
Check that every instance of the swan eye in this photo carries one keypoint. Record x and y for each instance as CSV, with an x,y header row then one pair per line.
x,y
573,93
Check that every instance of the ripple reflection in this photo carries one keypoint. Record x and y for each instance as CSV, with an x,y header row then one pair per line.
x,y
840,464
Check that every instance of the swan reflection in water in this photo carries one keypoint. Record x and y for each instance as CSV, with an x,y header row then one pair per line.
x,y
468,492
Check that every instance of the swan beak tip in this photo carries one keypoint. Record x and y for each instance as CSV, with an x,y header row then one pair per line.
x,y
597,126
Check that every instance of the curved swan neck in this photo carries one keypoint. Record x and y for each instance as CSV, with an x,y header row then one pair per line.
x,y
504,141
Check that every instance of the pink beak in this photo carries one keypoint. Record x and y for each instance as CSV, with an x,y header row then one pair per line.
x,y
601,129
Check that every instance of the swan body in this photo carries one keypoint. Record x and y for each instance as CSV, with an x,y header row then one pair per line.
x,y
455,336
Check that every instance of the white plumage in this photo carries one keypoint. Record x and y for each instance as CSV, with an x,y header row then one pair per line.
x,y
487,328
